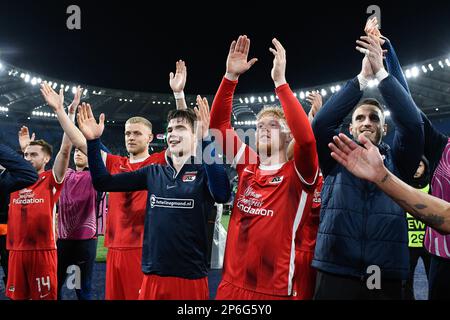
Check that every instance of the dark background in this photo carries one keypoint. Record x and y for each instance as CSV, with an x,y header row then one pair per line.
x,y
133,45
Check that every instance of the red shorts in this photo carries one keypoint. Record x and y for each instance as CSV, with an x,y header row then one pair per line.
x,y
228,291
123,274
304,281
32,275
172,288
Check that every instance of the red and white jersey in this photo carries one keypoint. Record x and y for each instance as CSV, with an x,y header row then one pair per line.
x,y
271,208
306,237
32,215
126,210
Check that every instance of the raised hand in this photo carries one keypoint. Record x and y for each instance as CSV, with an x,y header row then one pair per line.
x,y
237,63
76,101
177,81
24,138
372,27
315,99
202,112
55,101
370,46
87,123
364,162
278,72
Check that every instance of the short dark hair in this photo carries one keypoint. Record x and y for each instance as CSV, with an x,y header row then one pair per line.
x,y
370,102
188,114
46,147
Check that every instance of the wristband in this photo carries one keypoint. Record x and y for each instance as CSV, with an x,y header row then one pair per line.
x,y
178,95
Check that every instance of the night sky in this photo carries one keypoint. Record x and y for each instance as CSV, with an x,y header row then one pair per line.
x,y
133,45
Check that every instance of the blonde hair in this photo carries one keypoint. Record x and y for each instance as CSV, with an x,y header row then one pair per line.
x,y
273,111
144,121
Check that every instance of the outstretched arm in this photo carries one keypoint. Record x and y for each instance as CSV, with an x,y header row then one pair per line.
x,y
408,143
305,152
366,163
218,182
101,179
232,146
17,173
177,83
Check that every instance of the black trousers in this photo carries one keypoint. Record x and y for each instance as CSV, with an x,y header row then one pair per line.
x,y
336,287
414,255
4,256
81,253
439,279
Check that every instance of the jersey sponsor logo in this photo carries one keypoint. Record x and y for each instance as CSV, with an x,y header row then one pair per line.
x,y
248,171
189,176
170,187
27,196
171,203
12,289
276,180
250,203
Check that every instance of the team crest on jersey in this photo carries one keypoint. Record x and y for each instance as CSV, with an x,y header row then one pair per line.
x,y
12,289
277,180
189,176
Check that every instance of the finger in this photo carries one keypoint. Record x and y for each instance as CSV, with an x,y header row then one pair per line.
x,y
252,62
240,44
341,145
349,142
232,46
246,46
102,120
337,151
33,136
275,53
365,141
171,76
89,111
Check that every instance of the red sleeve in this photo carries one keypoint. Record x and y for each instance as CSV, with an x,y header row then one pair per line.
x,y
305,151
220,126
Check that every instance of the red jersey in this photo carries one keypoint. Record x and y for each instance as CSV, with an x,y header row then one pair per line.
x,y
126,210
272,206
32,213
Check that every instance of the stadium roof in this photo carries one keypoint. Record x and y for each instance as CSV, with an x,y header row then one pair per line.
x,y
20,96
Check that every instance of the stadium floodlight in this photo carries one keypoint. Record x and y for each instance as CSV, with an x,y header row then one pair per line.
x,y
265,99
408,73
131,100
62,86
272,98
159,102
34,81
441,64
252,99
387,113
154,102
424,69
447,61
323,92
241,101
259,99
1,66
85,92
22,75
246,100
39,80
430,66
74,90
415,72
54,85
437,109
302,95
120,99
27,78
338,88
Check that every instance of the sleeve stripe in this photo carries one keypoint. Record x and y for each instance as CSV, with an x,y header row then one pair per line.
x,y
303,180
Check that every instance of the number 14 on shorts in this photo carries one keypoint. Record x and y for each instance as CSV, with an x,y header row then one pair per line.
x,y
43,283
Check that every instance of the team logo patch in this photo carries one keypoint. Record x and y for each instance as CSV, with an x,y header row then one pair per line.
x,y
12,289
189,176
276,180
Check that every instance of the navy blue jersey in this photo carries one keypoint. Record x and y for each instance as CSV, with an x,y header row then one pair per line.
x,y
175,232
